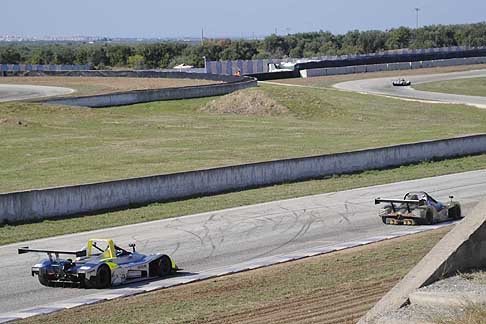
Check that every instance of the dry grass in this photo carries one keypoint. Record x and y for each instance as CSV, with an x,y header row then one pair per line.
x,y
469,87
472,314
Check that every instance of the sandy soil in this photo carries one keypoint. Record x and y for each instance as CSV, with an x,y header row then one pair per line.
x,y
101,85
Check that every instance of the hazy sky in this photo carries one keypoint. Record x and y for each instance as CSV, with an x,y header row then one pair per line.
x,y
152,18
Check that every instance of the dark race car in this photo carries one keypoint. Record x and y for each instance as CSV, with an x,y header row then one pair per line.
x,y
418,208
401,83
101,264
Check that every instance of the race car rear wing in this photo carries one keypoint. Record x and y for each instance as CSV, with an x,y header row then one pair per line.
x,y
76,253
396,201
408,202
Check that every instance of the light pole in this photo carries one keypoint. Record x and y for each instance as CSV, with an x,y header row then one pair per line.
x,y
417,11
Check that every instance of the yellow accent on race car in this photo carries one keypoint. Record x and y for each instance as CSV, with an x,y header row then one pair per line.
x,y
174,266
112,265
108,254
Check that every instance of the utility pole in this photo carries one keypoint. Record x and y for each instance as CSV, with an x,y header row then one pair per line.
x,y
202,36
417,11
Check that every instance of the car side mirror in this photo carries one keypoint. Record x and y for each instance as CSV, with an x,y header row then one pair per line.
x,y
451,197
132,245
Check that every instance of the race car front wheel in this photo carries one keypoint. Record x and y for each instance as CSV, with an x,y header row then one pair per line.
x,y
161,267
101,280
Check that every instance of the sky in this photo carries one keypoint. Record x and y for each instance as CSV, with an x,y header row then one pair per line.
x,y
224,18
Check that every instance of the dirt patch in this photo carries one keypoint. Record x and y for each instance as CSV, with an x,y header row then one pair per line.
x,y
246,102
102,85
13,122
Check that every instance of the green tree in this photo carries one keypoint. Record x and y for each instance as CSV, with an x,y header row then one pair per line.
x,y
10,55
398,38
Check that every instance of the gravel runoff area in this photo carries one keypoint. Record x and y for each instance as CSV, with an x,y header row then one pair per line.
x,y
104,85
10,92
472,284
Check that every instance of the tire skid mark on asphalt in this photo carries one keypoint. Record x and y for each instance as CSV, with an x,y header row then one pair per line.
x,y
212,273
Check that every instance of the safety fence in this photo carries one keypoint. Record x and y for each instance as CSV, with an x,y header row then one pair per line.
x,y
308,73
14,68
249,67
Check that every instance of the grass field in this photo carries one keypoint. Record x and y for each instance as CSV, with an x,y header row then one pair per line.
x,y
46,146
470,87
334,288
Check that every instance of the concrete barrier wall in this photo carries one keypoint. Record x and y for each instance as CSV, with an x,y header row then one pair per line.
x,y
89,198
392,67
140,96
230,84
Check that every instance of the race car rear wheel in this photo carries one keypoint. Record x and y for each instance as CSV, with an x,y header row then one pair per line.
x,y
429,218
161,267
42,276
455,212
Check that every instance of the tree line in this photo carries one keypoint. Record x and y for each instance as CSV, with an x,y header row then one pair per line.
x,y
169,54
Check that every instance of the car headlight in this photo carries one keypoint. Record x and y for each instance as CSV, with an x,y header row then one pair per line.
x,y
85,268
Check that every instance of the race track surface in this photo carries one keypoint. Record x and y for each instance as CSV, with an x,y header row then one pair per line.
x,y
12,92
384,87
215,239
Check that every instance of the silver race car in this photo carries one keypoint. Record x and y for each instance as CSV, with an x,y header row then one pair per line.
x,y
418,208
101,264
401,83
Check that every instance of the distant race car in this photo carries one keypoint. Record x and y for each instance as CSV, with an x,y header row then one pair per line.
x,y
418,208
401,83
101,264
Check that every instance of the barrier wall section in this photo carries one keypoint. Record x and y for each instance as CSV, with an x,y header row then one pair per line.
x,y
89,198
230,84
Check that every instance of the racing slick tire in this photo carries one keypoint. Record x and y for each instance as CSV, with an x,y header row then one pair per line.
x,y
161,267
455,212
42,276
101,280
429,218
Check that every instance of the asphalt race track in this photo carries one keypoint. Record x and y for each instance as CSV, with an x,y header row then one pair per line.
x,y
384,87
12,92
215,239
